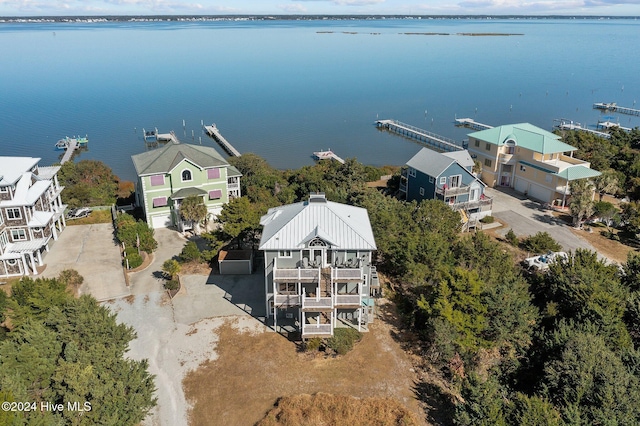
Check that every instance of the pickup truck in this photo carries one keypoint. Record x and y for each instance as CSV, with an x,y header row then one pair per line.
x,y
542,262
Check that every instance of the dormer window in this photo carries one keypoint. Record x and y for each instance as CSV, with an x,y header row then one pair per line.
x,y
510,146
186,175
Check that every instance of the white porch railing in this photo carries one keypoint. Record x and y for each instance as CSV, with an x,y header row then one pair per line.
x,y
316,302
287,300
348,299
317,329
346,274
296,274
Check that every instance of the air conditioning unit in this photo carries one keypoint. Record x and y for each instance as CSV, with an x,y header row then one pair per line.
x,y
289,316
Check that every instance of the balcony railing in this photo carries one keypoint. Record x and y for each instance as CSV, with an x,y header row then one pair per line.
x,y
233,186
452,192
316,302
506,159
296,274
348,299
483,205
346,274
287,300
317,330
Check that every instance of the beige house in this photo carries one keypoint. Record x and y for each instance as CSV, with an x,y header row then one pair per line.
x,y
530,160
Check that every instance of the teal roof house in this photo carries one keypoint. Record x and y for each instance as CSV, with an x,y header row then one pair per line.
x,y
530,160
168,175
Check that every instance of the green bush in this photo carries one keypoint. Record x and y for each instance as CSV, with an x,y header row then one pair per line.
x,y
130,232
134,258
313,344
172,285
541,242
512,238
190,253
343,340
487,219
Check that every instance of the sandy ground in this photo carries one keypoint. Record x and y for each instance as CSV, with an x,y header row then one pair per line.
x,y
172,348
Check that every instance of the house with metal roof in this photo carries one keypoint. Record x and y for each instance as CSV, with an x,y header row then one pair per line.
x,y
530,160
168,175
31,214
318,267
431,175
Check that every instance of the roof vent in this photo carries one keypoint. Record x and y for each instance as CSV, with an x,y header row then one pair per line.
x,y
317,197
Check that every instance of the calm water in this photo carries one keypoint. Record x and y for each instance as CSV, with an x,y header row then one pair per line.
x,y
285,89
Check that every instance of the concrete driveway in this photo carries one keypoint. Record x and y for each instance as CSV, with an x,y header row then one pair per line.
x,y
527,217
92,251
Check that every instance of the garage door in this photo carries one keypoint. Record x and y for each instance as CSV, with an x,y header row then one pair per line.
x,y
521,185
161,221
540,193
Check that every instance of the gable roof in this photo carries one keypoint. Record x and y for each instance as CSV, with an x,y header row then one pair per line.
x,y
462,157
430,162
12,168
525,135
340,225
163,160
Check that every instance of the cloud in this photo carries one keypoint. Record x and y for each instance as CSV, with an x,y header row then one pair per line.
x,y
350,2
293,8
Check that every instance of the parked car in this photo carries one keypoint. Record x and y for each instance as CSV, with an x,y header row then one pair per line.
x,y
78,213
542,262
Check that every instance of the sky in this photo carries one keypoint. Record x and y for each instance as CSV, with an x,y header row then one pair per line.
x,y
323,7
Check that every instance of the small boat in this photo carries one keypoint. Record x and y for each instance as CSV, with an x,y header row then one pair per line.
x,y
66,142
63,143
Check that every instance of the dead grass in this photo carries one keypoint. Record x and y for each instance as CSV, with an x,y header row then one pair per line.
x,y
96,216
195,268
325,409
613,250
253,371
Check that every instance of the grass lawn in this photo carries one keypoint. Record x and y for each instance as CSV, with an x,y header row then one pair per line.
x,y
96,216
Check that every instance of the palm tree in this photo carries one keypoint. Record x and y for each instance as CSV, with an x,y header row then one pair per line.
x,y
607,182
193,209
581,203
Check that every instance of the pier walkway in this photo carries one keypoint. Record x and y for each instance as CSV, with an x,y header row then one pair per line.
x,y
611,125
472,124
72,144
327,155
615,108
214,134
564,124
423,136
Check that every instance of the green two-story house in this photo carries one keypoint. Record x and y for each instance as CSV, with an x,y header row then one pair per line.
x,y
168,175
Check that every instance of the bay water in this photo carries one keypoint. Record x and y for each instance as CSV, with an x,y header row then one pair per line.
x,y
284,89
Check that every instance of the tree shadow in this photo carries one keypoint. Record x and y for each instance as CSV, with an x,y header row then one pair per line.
x,y
439,409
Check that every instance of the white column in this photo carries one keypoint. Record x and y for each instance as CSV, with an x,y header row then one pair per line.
x,y
33,264
39,257
24,264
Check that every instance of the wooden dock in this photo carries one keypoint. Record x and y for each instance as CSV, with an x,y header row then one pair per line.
x,y
214,134
611,125
327,155
564,124
471,124
420,135
70,145
612,106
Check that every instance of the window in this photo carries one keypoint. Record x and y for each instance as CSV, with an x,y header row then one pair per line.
x,y
476,143
412,172
548,178
14,213
215,194
443,180
4,240
284,253
488,146
160,202
421,191
431,179
1,219
186,175
157,180
523,168
18,235
4,189
289,288
12,262
213,173
487,162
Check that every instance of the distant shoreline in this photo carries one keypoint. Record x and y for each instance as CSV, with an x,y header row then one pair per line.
x,y
213,18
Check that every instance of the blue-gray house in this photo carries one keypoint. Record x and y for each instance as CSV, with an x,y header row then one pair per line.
x,y
448,177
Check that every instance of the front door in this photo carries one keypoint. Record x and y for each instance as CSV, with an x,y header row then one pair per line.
x,y
505,180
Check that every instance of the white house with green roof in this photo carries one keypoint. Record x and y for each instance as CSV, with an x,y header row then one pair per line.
x,y
168,175
530,160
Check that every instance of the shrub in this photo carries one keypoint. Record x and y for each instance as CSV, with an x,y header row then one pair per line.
x,y
512,238
172,284
313,344
190,253
134,258
343,340
487,219
541,242
171,267
130,232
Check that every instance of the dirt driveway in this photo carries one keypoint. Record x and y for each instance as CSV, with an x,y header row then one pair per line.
x,y
92,251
